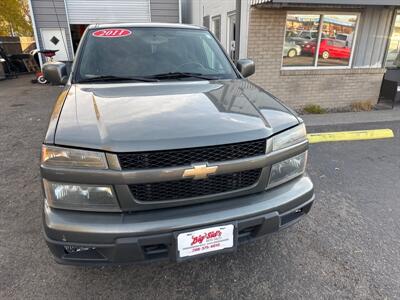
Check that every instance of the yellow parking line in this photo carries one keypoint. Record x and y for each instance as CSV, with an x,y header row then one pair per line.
x,y
350,135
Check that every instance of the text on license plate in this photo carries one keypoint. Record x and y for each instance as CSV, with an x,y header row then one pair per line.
x,y
205,240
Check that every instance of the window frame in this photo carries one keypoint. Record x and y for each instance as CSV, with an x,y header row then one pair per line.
x,y
213,18
321,22
229,15
208,18
389,39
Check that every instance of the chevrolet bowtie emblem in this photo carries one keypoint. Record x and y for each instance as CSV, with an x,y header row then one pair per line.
x,y
199,171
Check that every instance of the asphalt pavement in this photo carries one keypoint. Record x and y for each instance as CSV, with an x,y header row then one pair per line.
x,y
346,248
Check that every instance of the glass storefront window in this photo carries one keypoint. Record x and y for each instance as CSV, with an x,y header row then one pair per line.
x,y
393,53
335,47
301,33
333,41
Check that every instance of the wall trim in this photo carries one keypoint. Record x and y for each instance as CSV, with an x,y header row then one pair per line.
x,y
69,31
180,11
314,72
35,32
149,1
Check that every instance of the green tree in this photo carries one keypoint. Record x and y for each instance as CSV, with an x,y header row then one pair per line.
x,y
14,18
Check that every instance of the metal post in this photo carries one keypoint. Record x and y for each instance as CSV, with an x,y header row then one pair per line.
x,y
237,29
35,33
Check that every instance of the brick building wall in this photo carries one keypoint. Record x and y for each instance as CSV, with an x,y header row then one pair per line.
x,y
326,87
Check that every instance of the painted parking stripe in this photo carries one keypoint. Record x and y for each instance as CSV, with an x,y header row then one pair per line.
x,y
350,135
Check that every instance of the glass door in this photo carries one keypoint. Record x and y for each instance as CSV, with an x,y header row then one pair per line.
x,y
231,46
393,52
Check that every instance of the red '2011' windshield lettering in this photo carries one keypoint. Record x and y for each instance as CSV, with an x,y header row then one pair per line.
x,y
112,33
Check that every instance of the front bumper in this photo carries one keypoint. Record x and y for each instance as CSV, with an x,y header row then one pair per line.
x,y
149,235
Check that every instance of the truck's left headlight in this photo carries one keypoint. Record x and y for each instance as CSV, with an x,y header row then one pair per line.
x,y
80,196
53,156
288,169
289,137
292,167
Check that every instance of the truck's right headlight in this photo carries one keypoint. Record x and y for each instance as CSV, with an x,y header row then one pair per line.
x,y
80,196
53,156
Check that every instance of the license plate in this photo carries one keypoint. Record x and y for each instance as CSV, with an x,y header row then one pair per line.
x,y
205,240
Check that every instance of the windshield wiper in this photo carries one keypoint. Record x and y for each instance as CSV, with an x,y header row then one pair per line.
x,y
177,75
116,78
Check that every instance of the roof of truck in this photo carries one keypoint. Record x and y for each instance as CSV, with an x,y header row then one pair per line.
x,y
165,25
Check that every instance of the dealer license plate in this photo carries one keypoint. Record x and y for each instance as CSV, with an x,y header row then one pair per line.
x,y
205,240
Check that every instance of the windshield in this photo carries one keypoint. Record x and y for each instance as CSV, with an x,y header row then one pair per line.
x,y
148,52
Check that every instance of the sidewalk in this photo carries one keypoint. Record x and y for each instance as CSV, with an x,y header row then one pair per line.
x,y
353,117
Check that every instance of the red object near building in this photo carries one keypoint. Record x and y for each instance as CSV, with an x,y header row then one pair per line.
x,y
329,48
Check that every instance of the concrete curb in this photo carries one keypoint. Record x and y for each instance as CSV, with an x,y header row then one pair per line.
x,y
355,135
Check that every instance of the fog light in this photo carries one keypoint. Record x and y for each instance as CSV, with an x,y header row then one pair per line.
x,y
75,249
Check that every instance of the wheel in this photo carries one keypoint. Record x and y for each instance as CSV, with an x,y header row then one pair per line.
x,y
41,79
325,54
292,53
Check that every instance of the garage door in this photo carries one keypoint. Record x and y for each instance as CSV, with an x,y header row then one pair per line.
x,y
55,39
107,11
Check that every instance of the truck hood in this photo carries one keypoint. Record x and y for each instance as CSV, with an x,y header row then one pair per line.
x,y
123,117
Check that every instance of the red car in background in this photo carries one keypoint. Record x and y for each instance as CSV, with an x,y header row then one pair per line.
x,y
329,48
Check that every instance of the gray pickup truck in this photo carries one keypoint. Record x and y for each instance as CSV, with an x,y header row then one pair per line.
x,y
160,148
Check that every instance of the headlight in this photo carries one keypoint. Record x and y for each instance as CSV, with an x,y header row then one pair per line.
x,y
72,158
80,197
289,137
287,169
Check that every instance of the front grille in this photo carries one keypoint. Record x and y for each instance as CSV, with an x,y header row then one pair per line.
x,y
182,157
188,188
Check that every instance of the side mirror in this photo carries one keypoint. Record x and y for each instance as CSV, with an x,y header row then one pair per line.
x,y
56,72
246,67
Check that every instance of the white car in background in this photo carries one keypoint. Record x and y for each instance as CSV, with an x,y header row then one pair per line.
x,y
291,49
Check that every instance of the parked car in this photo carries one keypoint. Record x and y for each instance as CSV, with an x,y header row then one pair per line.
x,y
347,38
160,148
305,37
393,58
290,34
329,48
291,49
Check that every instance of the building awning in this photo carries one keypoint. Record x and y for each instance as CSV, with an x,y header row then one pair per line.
x,y
330,2
327,19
